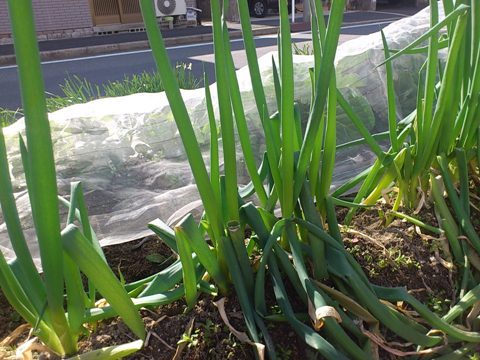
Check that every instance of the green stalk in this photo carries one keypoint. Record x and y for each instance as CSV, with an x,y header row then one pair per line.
x,y
214,160
193,236
286,112
362,129
459,11
226,118
415,221
190,280
332,328
321,92
318,39
272,138
400,294
431,77
92,265
392,109
182,119
111,352
15,295
447,223
311,337
444,102
240,119
33,283
318,247
98,314
329,143
460,213
43,190
237,238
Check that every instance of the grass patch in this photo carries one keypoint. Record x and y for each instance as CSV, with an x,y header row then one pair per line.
x,y
77,90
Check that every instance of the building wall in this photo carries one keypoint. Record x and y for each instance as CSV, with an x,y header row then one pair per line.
x,y
53,15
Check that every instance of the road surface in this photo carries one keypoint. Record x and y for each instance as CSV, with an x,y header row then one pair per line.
x,y
110,67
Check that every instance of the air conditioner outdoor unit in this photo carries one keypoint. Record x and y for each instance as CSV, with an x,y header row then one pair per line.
x,y
170,7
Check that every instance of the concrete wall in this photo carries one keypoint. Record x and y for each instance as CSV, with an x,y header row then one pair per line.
x,y
53,15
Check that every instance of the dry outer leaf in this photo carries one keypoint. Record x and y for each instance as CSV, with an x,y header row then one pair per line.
x,y
317,315
349,304
15,334
385,346
421,201
220,304
473,314
24,351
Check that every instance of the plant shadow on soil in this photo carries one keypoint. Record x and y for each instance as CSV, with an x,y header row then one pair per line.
x,y
394,255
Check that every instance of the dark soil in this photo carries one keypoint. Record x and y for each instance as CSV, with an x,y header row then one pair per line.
x,y
398,256
392,256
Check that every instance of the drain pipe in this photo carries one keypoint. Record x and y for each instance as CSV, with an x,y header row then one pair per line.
x,y
293,11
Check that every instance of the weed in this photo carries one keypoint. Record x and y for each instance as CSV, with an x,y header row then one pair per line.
x,y
304,49
8,117
190,340
210,331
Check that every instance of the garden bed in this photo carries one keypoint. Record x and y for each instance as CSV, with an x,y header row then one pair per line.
x,y
399,254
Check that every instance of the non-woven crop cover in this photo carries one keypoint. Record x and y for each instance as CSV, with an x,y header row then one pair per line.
x,y
128,154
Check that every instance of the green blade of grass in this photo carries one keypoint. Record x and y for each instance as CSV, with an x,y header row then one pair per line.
x,y
431,77
400,294
272,138
318,247
332,328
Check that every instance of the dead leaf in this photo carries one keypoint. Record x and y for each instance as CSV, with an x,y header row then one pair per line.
x,y
24,351
473,314
385,346
220,304
14,335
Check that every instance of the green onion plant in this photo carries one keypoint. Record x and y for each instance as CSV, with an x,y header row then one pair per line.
x,y
56,303
303,247
436,147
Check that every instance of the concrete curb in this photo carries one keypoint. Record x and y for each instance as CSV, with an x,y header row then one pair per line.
x,y
131,46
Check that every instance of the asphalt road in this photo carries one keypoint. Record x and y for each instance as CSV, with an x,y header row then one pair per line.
x,y
103,68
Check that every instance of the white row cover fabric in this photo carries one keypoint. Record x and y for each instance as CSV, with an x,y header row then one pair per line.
x,y
128,154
